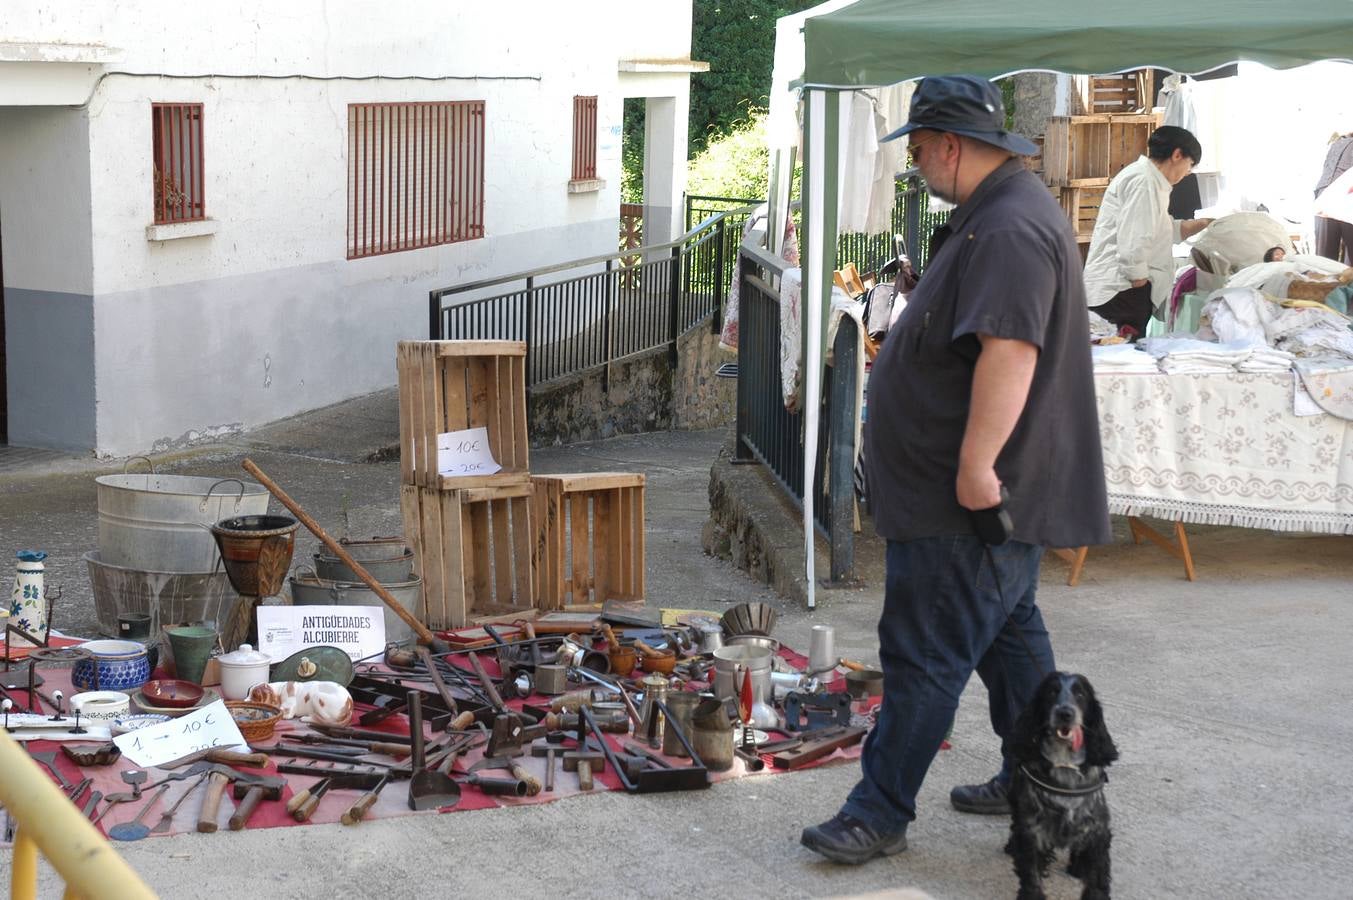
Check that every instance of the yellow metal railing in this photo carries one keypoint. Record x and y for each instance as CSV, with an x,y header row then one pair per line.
x,y
48,823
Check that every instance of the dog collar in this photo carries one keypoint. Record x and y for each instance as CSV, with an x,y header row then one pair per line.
x,y
1067,792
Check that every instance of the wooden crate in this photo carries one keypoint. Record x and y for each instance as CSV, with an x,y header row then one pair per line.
x,y
473,549
1081,205
453,385
1085,151
1124,92
589,539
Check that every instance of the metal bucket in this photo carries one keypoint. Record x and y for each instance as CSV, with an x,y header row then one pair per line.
x,y
309,591
153,523
727,660
386,570
374,548
169,598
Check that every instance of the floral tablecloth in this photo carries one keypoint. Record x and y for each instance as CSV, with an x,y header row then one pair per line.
x,y
1224,450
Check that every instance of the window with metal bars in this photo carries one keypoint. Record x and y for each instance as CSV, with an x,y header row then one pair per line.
x,y
177,142
415,175
584,138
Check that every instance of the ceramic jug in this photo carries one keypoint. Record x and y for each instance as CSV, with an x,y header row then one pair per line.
x,y
27,604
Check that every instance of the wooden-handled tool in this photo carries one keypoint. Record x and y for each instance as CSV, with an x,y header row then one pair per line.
x,y
442,690
611,640
211,800
355,813
853,666
489,688
425,637
309,800
223,757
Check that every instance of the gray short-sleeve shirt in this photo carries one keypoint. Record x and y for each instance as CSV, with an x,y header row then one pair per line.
x,y
1005,265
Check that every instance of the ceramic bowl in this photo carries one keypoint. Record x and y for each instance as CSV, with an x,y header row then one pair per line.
x,y
100,705
172,693
121,665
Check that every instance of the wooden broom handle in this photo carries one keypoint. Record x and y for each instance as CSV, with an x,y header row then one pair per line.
x,y
424,635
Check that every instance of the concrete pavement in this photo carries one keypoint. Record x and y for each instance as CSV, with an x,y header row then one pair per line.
x,y
1226,698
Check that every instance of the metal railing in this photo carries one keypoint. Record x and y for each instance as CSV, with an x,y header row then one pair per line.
x,y
770,434
587,314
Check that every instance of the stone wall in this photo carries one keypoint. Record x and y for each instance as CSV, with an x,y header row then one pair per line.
x,y
642,394
1035,100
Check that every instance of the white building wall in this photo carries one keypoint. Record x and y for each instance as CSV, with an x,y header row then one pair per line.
x,y
266,317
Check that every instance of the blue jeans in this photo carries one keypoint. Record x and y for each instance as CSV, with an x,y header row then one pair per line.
x,y
942,619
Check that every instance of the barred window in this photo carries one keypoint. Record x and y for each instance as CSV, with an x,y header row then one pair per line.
x,y
177,155
415,175
584,138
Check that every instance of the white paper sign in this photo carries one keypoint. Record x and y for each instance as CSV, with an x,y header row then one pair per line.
x,y
465,453
357,630
201,729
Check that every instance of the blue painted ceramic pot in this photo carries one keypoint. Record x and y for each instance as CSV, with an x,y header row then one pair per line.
x,y
122,666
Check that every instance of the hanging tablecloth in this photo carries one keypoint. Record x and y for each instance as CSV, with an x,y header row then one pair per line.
x,y
1224,449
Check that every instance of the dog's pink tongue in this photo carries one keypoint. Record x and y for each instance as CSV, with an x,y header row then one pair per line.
x,y
1077,738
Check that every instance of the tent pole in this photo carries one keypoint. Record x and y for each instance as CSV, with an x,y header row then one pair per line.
x,y
821,174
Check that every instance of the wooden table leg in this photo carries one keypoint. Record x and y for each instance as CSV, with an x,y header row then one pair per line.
x,y
1178,548
1075,558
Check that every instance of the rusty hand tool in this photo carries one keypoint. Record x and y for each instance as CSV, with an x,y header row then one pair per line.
x,y
388,748
360,734
494,697
223,757
134,830
217,780
355,813
582,761
532,783
427,790
311,753
425,636
549,748
535,645
48,761
342,750
442,690
308,800
136,778
250,792
92,803
167,819
634,749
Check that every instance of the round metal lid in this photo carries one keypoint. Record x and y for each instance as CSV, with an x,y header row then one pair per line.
x,y
315,664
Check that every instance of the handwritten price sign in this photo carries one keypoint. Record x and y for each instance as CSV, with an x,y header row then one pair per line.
x,y
211,726
465,453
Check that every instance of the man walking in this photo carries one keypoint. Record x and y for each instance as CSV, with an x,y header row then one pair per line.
x,y
984,382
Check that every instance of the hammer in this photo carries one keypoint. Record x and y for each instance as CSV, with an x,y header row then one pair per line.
x,y
582,761
249,792
547,748
211,801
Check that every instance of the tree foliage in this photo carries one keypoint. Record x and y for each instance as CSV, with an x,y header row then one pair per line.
x,y
737,39
732,164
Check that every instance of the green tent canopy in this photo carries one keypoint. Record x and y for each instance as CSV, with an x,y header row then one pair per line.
x,y
873,43
879,42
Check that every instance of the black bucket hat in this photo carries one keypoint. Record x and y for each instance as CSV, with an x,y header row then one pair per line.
x,y
964,105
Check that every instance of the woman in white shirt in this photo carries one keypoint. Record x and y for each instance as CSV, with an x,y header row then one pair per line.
x,y
1130,268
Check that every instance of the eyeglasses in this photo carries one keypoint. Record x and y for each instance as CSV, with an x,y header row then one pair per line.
x,y
912,156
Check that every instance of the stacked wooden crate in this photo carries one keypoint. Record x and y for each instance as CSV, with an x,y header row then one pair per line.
x,y
490,545
1081,154
472,533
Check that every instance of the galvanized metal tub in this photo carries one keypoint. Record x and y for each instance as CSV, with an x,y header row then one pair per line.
x,y
394,570
169,598
307,590
155,523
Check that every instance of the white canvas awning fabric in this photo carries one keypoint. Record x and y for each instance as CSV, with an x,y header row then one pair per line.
x,y
875,43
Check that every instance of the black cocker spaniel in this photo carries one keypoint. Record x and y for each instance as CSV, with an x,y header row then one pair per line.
x,y
1061,748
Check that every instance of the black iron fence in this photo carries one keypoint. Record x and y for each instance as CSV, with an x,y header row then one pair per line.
x,y
768,433
587,314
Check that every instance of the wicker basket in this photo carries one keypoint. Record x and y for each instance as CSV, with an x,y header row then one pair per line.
x,y
256,721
